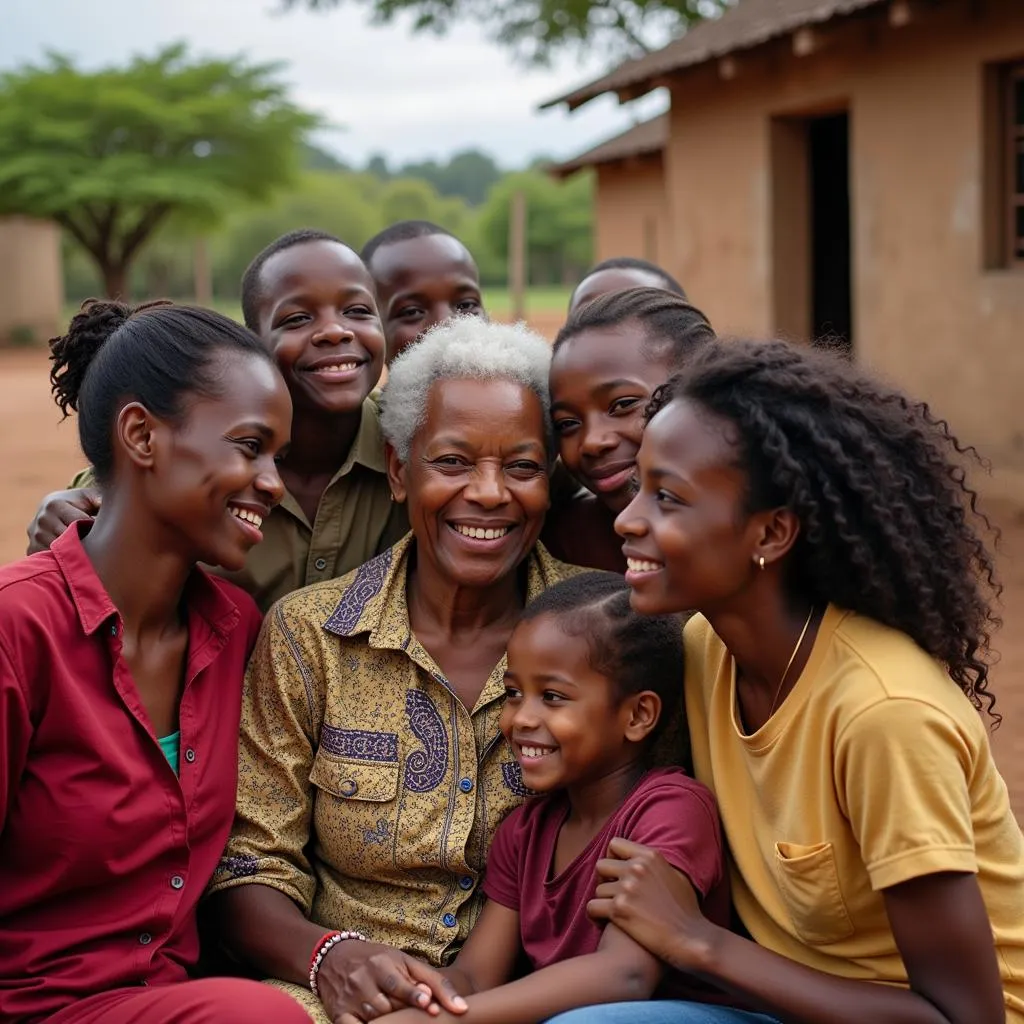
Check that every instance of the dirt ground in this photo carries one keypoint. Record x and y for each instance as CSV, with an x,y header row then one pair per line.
x,y
40,454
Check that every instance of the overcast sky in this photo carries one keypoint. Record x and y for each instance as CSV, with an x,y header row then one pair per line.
x,y
410,97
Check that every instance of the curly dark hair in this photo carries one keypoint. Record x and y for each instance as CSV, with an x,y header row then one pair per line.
x,y
890,526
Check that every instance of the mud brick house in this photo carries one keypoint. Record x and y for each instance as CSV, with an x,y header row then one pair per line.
x,y
853,167
630,200
31,281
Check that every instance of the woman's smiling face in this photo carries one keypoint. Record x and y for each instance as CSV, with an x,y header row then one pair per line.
x,y
688,538
217,480
476,480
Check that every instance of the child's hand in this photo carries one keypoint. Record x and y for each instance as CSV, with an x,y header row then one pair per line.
x,y
653,903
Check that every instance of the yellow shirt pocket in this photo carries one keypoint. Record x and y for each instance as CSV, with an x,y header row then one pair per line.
x,y
809,883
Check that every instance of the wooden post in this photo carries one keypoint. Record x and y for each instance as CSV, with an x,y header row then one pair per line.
x,y
202,278
517,255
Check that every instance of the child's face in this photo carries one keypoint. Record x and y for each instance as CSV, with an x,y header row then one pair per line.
x,y
614,279
422,282
688,540
318,313
562,719
601,382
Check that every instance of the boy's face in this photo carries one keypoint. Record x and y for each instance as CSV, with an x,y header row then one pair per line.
x,y
318,313
422,282
562,719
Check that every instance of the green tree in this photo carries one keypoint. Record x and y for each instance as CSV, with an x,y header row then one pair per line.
x,y
468,175
537,29
559,224
345,205
113,155
377,165
316,159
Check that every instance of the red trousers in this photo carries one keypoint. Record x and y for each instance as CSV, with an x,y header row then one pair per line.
x,y
210,1001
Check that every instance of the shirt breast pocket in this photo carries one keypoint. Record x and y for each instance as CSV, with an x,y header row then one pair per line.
x,y
809,883
351,779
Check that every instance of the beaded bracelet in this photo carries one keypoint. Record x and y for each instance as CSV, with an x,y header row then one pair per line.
x,y
322,948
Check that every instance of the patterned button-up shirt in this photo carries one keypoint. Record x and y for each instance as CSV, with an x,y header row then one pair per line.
x,y
367,791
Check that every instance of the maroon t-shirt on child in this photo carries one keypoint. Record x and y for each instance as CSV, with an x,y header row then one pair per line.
x,y
666,810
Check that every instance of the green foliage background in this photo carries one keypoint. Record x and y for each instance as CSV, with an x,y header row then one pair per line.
x,y
356,204
138,163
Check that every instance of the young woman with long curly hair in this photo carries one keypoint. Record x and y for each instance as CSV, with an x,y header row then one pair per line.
x,y
823,526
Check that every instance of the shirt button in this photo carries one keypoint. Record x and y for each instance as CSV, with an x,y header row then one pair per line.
x,y
466,883
466,785
145,939
449,920
321,564
349,787
177,882
190,755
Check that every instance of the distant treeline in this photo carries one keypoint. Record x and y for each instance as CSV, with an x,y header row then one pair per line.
x,y
469,195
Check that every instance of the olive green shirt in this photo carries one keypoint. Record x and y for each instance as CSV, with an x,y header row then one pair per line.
x,y
355,520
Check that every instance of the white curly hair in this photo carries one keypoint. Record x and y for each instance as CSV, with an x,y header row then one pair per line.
x,y
460,348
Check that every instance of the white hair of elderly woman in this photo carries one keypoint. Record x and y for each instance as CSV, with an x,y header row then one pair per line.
x,y
460,348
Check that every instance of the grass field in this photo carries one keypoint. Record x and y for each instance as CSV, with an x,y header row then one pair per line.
x,y
544,301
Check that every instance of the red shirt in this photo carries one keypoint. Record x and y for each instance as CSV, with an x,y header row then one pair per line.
x,y
666,810
104,852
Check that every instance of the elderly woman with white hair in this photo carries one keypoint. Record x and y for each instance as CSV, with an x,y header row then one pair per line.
x,y
372,772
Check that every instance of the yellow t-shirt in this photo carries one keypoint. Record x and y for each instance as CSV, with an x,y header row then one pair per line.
x,y
875,770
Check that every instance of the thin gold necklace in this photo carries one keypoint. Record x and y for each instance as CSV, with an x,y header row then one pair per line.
x,y
792,658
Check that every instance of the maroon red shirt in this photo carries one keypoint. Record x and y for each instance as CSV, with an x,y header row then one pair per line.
x,y
104,852
666,810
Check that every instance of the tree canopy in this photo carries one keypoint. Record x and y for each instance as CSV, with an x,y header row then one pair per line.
x,y
355,206
114,155
535,30
468,174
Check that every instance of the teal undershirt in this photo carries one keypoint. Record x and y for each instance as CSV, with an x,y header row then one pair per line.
x,y
170,745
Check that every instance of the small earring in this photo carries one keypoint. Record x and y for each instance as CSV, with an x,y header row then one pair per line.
x,y
760,562
391,495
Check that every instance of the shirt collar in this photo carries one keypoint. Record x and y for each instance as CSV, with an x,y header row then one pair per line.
x,y
368,445
367,450
93,604
375,601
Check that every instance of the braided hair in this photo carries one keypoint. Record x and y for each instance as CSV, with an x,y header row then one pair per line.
x,y
890,527
669,324
643,266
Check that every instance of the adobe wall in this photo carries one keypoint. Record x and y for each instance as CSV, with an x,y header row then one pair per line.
x,y
631,210
31,281
927,311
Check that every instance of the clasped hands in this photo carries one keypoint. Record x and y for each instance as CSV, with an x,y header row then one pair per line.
x,y
638,891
